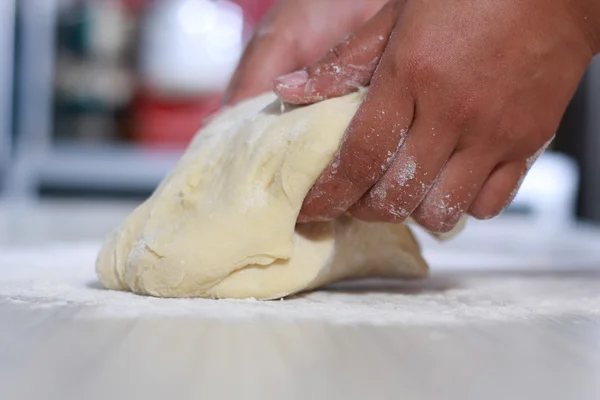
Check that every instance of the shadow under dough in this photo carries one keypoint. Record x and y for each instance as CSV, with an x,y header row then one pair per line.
x,y
96,285
434,284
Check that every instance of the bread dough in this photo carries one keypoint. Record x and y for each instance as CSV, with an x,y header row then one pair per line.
x,y
222,224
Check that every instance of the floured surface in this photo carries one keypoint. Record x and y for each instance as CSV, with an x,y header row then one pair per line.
x,y
62,276
539,337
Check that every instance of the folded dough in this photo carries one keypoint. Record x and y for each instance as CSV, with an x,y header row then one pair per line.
x,y
223,223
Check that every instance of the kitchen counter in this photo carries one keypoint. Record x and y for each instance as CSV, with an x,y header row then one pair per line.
x,y
511,311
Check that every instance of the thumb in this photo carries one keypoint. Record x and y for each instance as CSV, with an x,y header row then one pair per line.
x,y
347,67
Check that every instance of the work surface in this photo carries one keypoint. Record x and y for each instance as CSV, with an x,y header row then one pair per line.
x,y
511,312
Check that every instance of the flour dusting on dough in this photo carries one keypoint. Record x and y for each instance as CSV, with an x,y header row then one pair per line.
x,y
223,223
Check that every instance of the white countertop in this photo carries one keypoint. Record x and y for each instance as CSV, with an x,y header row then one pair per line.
x,y
510,312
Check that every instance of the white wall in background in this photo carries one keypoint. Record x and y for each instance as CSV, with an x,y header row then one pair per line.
x,y
191,46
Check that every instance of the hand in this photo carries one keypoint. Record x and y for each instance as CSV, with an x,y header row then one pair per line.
x,y
464,95
294,34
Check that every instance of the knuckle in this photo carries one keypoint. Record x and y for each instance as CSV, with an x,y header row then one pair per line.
x,y
433,79
428,71
423,66
463,108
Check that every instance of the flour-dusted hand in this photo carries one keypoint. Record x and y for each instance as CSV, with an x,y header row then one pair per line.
x,y
294,34
464,95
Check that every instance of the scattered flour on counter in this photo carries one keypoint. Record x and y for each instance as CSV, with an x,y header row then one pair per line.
x,y
63,276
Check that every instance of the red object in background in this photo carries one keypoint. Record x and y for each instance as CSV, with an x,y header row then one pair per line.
x,y
170,123
134,6
163,122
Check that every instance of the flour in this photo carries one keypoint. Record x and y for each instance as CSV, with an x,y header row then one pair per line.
x,y
63,276
538,153
405,172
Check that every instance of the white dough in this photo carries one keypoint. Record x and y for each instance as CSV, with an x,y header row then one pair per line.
x,y
222,224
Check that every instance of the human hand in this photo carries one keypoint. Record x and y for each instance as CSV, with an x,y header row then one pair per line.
x,y
464,95
294,34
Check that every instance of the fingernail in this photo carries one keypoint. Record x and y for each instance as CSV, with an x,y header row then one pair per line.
x,y
293,80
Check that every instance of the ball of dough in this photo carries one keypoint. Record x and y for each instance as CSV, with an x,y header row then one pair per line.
x,y
223,223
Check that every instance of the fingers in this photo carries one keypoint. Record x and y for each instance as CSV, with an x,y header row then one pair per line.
x,y
347,67
503,184
499,190
367,150
371,141
414,169
455,189
266,56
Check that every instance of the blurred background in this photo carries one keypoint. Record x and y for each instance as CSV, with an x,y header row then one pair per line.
x,y
98,99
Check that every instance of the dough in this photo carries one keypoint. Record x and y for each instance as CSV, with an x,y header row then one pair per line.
x,y
222,224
